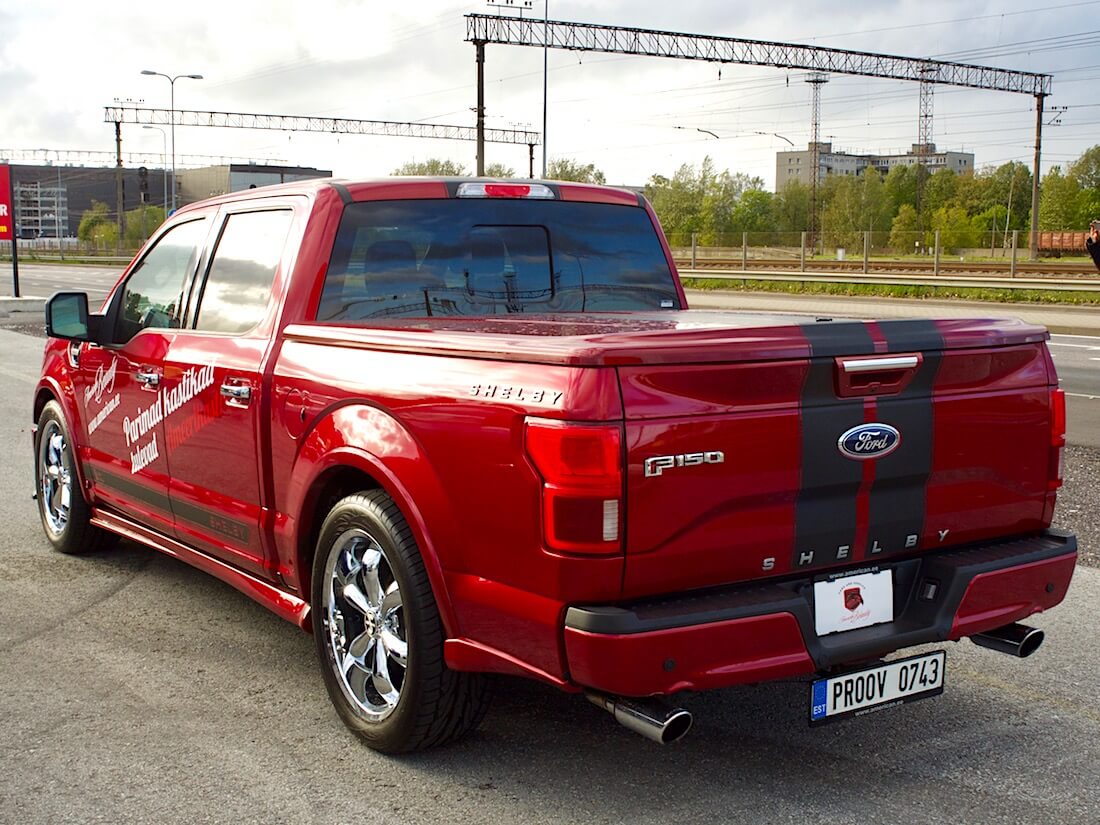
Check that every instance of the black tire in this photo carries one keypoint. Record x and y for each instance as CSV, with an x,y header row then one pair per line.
x,y
69,531
366,547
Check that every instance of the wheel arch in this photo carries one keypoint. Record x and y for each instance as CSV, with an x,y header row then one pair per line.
x,y
361,447
48,390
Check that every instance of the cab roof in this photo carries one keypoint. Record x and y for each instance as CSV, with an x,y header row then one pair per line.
x,y
420,188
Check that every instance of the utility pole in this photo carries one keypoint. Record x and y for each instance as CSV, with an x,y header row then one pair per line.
x,y
480,46
1039,101
118,184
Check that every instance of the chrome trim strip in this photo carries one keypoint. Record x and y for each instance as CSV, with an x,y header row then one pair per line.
x,y
896,362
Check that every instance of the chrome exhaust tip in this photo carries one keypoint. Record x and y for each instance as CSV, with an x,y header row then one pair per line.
x,y
652,719
1013,639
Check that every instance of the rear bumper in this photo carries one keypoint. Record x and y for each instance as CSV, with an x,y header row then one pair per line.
x,y
757,632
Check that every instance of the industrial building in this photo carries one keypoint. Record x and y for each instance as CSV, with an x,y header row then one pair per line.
x,y
50,199
796,165
208,181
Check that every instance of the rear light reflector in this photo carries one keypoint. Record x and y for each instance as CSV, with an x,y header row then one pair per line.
x,y
1057,438
1057,418
505,190
581,470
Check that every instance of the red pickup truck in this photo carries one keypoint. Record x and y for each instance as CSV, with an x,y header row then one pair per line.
x,y
460,427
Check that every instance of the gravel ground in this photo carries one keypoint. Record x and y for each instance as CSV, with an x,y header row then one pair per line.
x,y
1078,501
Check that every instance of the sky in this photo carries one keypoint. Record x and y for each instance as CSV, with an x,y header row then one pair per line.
x,y
61,62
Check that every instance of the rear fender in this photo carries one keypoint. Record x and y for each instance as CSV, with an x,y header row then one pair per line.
x,y
372,441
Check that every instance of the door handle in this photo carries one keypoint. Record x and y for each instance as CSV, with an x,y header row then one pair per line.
x,y
237,395
148,378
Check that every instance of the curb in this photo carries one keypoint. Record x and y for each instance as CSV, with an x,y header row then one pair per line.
x,y
16,307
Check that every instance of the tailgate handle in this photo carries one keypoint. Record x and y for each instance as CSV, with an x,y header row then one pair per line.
x,y
897,362
876,376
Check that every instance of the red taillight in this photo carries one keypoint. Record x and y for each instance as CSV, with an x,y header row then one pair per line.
x,y
1057,437
581,469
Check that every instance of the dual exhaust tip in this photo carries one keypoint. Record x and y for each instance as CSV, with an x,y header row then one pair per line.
x,y
663,724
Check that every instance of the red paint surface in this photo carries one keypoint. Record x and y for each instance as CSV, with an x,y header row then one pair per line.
x,y
433,411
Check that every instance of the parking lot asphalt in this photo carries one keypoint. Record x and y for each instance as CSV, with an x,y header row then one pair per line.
x,y
137,689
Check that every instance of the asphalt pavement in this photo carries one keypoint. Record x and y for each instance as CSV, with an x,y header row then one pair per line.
x,y
137,689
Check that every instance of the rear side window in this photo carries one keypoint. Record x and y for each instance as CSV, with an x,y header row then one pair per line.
x,y
238,283
153,294
489,257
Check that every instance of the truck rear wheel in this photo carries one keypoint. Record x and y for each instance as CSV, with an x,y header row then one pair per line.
x,y
61,505
379,636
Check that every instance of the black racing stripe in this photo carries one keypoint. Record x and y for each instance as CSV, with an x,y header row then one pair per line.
x,y
212,520
133,489
825,511
199,516
898,496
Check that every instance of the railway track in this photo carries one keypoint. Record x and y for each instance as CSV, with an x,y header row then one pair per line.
x,y
1029,269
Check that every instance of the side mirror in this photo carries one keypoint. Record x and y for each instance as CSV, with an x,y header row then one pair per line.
x,y
67,317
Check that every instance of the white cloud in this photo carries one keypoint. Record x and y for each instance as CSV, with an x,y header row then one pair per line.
x,y
60,63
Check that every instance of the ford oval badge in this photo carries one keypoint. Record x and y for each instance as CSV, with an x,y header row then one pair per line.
x,y
869,441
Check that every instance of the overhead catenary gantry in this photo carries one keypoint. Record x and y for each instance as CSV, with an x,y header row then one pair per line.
x,y
482,29
327,125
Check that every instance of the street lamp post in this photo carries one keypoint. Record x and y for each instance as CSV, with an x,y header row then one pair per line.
x,y
172,107
163,165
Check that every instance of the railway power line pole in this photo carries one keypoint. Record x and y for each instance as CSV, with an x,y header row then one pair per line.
x,y
924,138
480,109
121,217
1039,101
482,29
816,81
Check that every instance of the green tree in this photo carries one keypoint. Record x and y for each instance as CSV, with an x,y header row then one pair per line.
x,y
1087,168
677,201
792,207
754,212
141,223
499,170
1009,185
900,188
955,228
93,218
904,237
432,167
854,205
1059,201
939,191
566,169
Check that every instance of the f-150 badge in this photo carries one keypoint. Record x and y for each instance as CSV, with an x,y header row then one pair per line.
x,y
659,463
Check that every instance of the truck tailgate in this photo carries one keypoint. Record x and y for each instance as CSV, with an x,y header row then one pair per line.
x,y
736,471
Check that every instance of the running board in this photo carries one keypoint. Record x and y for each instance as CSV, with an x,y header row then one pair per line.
x,y
284,604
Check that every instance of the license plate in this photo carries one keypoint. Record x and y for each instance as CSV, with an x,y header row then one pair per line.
x,y
877,688
851,602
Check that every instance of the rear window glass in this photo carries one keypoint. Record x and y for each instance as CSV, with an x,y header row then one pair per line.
x,y
491,257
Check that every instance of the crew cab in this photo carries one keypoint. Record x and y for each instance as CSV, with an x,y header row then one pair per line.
x,y
456,428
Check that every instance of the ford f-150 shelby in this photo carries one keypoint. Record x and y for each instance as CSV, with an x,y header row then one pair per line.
x,y
464,427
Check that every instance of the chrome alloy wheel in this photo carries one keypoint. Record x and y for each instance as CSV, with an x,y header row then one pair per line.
x,y
365,625
54,478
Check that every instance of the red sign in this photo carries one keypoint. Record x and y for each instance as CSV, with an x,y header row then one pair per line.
x,y
7,213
